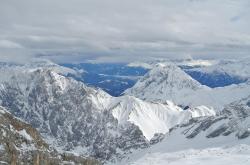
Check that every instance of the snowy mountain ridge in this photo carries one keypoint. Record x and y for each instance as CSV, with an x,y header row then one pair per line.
x,y
75,118
211,140
8,70
169,82
153,118
20,143
86,121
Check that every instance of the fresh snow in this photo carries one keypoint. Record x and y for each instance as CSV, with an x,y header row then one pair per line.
x,y
169,82
210,156
25,135
163,94
7,72
175,149
152,117
2,111
1,147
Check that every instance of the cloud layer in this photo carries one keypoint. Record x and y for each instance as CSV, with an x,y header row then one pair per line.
x,y
113,30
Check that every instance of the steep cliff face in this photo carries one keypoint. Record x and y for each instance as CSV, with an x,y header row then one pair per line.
x,y
233,120
69,115
20,143
75,118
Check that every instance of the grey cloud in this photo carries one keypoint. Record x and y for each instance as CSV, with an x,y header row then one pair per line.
x,y
114,30
9,44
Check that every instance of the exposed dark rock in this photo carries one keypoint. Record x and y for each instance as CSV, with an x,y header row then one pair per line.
x,y
244,134
204,125
218,131
70,113
20,144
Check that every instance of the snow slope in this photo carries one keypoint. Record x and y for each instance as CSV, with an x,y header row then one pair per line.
x,y
70,116
169,82
74,117
7,70
221,139
228,154
153,118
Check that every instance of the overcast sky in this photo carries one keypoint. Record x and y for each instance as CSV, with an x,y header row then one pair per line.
x,y
123,30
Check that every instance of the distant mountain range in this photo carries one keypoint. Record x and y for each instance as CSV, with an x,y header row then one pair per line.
x,y
116,78
112,78
164,107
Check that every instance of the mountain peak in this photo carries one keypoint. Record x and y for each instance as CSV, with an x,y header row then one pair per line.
x,y
163,82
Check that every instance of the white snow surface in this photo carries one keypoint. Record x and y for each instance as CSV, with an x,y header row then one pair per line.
x,y
169,82
176,150
179,148
25,135
8,71
154,113
239,154
152,117
1,147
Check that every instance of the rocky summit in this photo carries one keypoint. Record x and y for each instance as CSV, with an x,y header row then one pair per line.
x,y
69,115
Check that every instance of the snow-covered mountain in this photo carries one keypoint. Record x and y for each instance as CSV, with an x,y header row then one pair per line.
x,y
163,82
221,139
76,118
169,82
223,73
87,121
153,118
240,68
7,70
68,114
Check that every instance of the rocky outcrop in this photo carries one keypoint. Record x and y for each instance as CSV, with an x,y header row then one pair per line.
x,y
234,119
69,115
20,143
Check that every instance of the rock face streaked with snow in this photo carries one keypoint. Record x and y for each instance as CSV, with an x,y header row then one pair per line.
x,y
68,114
20,143
87,121
218,140
8,70
164,80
